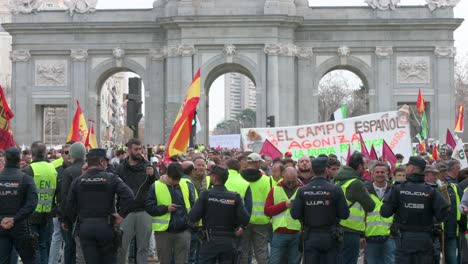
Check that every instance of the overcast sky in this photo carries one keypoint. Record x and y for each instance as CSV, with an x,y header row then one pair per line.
x,y
217,91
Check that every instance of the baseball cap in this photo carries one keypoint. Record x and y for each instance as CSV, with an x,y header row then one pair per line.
x,y
98,152
254,157
154,159
431,168
288,154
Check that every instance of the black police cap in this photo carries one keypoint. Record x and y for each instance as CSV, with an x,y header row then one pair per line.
x,y
219,171
97,152
320,163
13,154
418,162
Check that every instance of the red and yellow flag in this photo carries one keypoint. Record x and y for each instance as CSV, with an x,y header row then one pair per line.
x,y
91,141
435,152
6,135
78,128
180,135
460,123
420,104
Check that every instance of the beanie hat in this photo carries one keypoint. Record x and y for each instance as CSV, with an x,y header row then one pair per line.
x,y
77,151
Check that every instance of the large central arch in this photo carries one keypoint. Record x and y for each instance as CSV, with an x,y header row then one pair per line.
x,y
285,47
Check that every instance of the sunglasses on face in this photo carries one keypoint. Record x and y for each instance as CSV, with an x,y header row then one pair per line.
x,y
66,152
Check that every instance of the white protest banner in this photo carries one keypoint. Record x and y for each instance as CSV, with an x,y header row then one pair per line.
x,y
225,141
334,137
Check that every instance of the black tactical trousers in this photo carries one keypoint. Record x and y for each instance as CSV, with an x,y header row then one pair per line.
x,y
97,237
20,237
321,248
219,250
414,247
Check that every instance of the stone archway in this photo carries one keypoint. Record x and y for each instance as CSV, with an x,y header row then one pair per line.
x,y
99,75
218,66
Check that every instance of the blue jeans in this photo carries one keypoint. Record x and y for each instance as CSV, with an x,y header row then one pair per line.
x,y
285,246
451,246
56,242
350,249
44,231
69,251
194,249
384,253
14,257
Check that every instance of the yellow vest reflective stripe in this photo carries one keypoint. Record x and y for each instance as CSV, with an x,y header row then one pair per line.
x,y
260,191
57,163
284,219
457,197
45,177
163,197
356,217
376,225
236,183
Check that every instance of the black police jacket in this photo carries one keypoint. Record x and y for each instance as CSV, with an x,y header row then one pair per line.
x,y
221,210
92,195
319,197
18,194
415,205
70,173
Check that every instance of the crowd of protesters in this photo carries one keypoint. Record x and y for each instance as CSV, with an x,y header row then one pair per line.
x,y
256,177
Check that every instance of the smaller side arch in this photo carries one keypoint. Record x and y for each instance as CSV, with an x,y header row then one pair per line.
x,y
100,74
218,66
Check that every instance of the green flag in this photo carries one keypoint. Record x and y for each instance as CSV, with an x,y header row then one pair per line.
x,y
423,132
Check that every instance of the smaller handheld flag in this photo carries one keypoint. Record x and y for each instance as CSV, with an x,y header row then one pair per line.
x,y
435,152
91,141
270,150
459,154
364,151
423,132
6,135
460,123
388,155
351,150
449,140
78,127
373,154
420,103
340,113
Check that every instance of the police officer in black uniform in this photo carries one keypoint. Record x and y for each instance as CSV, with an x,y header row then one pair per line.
x,y
92,200
415,205
321,235
224,217
18,199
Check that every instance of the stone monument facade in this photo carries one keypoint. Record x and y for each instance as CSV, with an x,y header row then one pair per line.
x,y
284,46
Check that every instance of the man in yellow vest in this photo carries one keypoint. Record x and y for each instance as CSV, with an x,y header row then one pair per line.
x,y
286,230
45,177
257,231
276,173
236,183
359,202
169,202
320,205
380,245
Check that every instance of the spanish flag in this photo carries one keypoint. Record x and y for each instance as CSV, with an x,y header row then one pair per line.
x,y
91,141
460,124
180,135
420,104
78,129
435,152
6,135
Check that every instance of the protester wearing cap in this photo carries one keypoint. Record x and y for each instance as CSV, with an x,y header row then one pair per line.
x,y
168,202
380,245
70,252
414,206
224,218
18,199
431,175
322,235
286,230
454,220
92,199
256,234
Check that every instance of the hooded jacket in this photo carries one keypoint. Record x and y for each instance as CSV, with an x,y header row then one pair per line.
x,y
251,175
356,191
136,178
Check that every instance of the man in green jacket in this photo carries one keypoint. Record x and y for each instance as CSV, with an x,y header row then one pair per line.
x,y
359,202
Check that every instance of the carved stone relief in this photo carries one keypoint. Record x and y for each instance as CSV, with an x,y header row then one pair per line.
x,y
158,53
79,54
413,70
445,52
384,52
51,73
81,6
383,4
20,55
434,4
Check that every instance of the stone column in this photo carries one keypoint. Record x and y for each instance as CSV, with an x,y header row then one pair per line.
x,y
154,96
384,99
172,89
272,81
287,86
21,90
79,85
444,85
307,94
